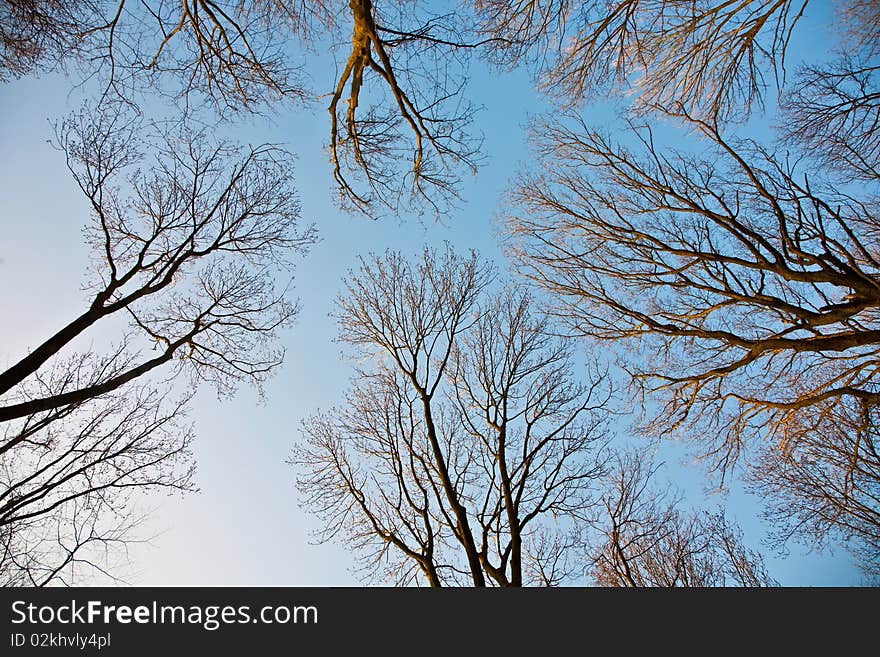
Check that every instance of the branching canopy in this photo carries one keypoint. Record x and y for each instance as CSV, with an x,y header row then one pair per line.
x,y
465,451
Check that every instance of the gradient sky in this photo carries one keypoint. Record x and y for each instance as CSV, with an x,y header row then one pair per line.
x,y
245,527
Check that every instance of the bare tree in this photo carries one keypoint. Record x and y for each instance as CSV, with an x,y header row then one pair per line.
x,y
647,539
35,32
727,263
186,249
69,488
229,54
833,112
400,124
714,58
465,451
401,137
411,141
752,286
861,21
829,488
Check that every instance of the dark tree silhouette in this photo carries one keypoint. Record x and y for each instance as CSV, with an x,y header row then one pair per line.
x,y
647,539
753,288
750,278
714,58
185,250
401,137
411,141
400,124
833,113
229,54
465,452
829,487
69,488
188,242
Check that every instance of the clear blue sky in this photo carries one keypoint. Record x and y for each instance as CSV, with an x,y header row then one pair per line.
x,y
245,526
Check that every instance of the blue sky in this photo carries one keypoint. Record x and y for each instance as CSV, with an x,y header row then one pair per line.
x,y
245,526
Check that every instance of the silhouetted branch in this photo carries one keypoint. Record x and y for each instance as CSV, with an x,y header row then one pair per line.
x,y
187,246
648,540
465,436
